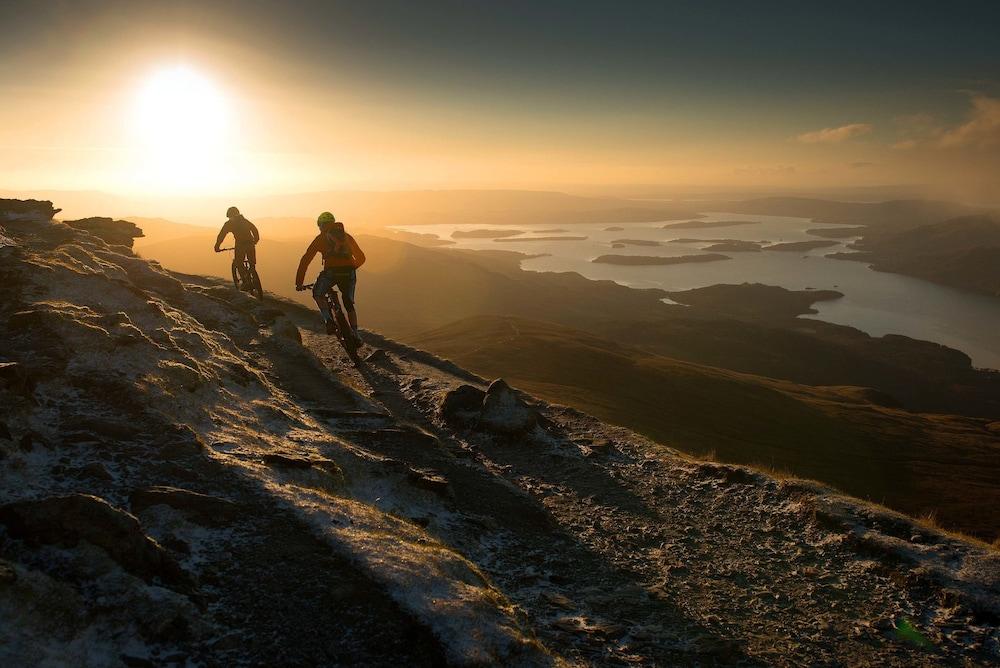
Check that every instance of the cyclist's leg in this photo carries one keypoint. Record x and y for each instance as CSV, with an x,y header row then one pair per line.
x,y
322,285
347,289
239,255
347,283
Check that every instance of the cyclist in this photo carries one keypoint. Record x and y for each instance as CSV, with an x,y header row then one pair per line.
x,y
246,236
341,258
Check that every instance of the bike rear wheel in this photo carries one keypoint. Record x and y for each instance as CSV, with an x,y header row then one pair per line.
x,y
344,331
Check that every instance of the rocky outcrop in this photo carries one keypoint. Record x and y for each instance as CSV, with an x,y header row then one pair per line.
x,y
114,232
67,520
201,508
26,209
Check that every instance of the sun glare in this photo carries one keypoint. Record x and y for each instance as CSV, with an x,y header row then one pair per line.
x,y
182,129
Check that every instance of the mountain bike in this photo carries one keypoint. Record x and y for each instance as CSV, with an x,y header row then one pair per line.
x,y
245,276
349,343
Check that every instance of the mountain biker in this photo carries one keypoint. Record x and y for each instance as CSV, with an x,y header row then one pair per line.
x,y
341,258
246,237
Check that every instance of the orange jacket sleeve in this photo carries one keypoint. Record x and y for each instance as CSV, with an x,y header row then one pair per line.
x,y
359,256
300,275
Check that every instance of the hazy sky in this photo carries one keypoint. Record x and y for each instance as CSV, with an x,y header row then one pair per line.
x,y
266,97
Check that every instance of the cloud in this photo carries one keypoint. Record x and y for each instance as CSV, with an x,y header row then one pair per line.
x,y
982,129
835,135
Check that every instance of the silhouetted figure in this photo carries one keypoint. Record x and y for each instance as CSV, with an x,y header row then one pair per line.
x,y
246,237
341,258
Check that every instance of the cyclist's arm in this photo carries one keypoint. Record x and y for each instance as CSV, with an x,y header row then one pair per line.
x,y
254,232
222,235
300,275
359,256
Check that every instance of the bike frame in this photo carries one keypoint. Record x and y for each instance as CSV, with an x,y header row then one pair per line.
x,y
333,299
250,272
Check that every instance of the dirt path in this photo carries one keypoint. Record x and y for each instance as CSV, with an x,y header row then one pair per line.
x,y
651,558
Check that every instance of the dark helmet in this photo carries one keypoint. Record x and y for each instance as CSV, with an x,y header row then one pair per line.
x,y
232,212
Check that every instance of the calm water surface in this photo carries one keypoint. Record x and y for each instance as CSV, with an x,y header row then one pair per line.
x,y
875,302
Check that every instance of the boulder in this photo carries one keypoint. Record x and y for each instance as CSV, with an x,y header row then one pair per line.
x,y
201,508
505,412
66,520
462,404
113,232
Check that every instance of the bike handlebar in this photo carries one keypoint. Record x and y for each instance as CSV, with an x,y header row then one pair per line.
x,y
224,249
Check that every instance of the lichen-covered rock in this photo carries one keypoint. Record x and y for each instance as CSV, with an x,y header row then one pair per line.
x,y
66,520
504,412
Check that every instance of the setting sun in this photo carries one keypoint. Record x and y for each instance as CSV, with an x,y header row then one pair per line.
x,y
182,129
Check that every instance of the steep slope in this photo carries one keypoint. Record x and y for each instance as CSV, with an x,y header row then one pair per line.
x,y
184,482
943,466
127,389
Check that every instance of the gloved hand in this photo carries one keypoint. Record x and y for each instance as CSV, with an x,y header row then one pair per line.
x,y
218,250
299,288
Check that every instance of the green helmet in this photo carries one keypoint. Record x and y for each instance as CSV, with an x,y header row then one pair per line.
x,y
324,219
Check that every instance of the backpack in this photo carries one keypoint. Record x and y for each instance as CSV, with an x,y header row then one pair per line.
x,y
337,247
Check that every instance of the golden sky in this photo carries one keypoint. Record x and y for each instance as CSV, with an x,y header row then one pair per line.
x,y
255,97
